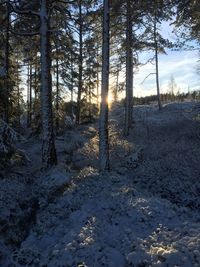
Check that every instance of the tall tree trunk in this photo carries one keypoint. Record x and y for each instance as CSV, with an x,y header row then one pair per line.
x,y
18,104
28,95
57,91
72,85
156,58
129,70
35,85
90,103
103,121
97,70
37,82
18,95
90,89
48,147
80,75
7,68
98,89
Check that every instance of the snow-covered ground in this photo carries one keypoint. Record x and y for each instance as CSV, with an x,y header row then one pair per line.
x,y
145,212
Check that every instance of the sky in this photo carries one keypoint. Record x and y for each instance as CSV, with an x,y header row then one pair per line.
x,y
182,65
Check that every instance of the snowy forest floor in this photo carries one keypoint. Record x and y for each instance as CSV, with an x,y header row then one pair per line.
x,y
145,212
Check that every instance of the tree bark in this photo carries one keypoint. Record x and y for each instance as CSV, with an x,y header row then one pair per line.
x,y
72,84
80,76
57,90
156,59
29,95
90,89
97,70
103,123
7,68
48,147
18,96
129,70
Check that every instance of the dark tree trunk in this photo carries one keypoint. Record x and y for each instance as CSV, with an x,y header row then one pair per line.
x,y
72,85
129,70
18,97
157,69
29,95
7,69
103,123
57,92
80,76
97,76
90,89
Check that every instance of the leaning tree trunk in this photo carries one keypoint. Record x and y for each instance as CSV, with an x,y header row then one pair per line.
x,y
156,59
129,70
48,147
103,123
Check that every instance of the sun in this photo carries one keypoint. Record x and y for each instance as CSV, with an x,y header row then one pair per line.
x,y
110,99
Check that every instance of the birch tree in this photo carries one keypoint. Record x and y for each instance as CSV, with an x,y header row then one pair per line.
x,y
103,121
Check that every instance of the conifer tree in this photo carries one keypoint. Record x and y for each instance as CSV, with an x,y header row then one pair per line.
x,y
103,121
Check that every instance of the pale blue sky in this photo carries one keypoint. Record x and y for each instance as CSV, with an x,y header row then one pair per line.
x,y
181,64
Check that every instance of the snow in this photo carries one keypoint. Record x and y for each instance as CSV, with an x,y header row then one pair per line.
x,y
145,212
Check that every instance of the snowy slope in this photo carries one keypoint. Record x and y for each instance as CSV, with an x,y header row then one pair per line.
x,y
145,212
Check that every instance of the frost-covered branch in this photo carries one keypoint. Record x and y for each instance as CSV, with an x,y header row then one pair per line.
x,y
7,136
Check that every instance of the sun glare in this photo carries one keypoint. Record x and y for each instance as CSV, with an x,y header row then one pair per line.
x,y
110,99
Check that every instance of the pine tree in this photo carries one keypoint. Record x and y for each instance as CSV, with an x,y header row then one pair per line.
x,y
48,146
103,121
129,69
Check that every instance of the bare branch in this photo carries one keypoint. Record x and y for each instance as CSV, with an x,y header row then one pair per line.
x,y
18,11
152,73
25,33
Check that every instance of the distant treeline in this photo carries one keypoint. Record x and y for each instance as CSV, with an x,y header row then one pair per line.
x,y
168,97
